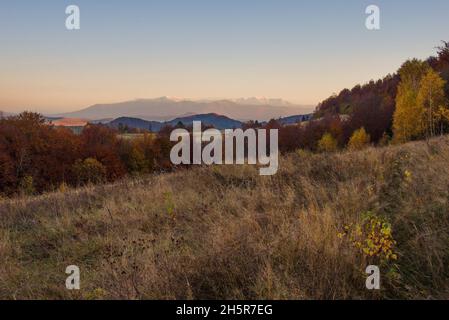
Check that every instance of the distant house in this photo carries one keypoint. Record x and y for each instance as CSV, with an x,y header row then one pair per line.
x,y
76,125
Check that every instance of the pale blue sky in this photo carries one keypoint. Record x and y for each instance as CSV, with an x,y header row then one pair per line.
x,y
302,51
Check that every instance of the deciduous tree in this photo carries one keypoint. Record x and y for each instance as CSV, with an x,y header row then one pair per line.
x,y
327,143
407,122
359,140
431,101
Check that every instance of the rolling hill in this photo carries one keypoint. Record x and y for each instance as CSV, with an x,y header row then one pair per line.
x,y
295,119
136,123
211,119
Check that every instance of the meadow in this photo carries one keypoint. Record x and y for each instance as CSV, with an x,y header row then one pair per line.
x,y
224,232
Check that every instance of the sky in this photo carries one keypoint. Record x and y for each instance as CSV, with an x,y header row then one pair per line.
x,y
298,50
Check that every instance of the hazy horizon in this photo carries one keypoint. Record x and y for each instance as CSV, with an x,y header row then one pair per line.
x,y
173,98
297,51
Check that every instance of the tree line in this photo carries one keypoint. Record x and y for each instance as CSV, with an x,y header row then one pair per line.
x,y
36,156
409,105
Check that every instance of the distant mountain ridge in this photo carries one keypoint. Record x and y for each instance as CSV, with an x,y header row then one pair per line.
x,y
217,121
253,101
211,119
164,109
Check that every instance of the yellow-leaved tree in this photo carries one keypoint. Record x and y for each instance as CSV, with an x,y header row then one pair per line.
x,y
359,140
431,99
408,117
327,143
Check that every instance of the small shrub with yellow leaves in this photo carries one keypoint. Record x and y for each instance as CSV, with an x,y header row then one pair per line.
x,y
359,140
373,237
327,143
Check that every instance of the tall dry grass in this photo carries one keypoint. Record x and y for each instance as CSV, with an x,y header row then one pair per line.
x,y
228,233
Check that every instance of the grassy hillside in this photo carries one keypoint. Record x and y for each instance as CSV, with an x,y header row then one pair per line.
x,y
226,232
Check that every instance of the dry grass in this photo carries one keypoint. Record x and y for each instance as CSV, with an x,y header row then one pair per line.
x,y
226,232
